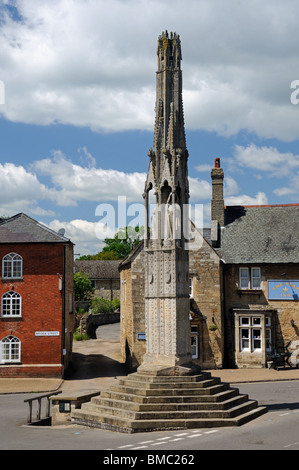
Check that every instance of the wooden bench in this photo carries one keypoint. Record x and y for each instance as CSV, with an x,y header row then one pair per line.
x,y
280,354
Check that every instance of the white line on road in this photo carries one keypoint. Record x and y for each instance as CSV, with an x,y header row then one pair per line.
x,y
290,445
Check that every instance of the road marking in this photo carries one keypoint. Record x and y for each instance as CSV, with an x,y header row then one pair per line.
x,y
178,437
284,414
290,445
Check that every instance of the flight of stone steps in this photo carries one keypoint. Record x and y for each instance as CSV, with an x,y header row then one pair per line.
x,y
141,403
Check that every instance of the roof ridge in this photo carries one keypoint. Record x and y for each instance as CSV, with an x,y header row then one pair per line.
x,y
263,205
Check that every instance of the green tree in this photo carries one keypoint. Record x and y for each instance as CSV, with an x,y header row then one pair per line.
x,y
82,286
120,245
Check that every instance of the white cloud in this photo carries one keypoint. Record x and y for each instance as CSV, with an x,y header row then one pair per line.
x,y
245,200
87,236
230,186
203,168
200,190
76,183
270,162
92,63
266,159
21,191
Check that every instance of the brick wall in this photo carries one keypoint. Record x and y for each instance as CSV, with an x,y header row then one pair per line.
x,y
42,309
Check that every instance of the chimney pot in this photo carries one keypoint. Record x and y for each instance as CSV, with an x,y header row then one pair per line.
x,y
217,162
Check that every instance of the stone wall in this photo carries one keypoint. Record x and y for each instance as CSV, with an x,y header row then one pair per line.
x,y
89,322
282,311
107,289
205,271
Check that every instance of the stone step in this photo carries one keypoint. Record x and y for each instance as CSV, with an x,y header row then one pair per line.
x,y
121,424
165,385
146,403
212,398
166,414
173,406
170,391
160,378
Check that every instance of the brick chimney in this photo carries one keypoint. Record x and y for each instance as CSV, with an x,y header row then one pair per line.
x,y
217,203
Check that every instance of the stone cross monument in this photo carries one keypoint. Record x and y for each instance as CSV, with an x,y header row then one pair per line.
x,y
167,303
154,399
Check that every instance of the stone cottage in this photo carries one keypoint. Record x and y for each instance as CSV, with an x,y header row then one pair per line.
x,y
104,275
244,287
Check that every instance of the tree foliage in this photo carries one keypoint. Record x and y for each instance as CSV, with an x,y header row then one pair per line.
x,y
82,286
119,246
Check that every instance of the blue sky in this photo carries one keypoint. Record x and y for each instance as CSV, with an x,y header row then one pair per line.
x,y
77,111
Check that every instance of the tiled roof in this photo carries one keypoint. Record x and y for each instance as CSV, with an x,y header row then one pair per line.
x,y
98,269
23,229
261,234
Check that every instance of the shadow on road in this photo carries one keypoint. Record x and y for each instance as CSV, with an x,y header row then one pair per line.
x,y
92,366
282,406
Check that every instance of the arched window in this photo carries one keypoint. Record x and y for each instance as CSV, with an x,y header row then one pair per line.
x,y
11,304
12,266
10,349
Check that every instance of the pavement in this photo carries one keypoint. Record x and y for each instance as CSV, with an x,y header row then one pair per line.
x,y
97,365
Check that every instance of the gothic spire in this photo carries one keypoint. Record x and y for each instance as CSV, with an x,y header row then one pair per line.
x,y
168,159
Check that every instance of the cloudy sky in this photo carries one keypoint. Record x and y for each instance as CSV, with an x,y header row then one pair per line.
x,y
77,98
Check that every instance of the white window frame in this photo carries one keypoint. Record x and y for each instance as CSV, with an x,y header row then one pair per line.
x,y
194,336
10,350
242,277
268,326
10,305
247,323
256,277
191,287
12,263
247,274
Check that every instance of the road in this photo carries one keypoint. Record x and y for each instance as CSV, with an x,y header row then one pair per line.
x,y
276,430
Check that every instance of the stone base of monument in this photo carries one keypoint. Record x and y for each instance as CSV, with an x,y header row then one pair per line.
x,y
143,403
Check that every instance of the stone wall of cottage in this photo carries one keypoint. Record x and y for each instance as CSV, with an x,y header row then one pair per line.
x,y
281,311
205,271
132,320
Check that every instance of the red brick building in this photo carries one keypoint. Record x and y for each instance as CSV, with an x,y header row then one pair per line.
x,y
37,301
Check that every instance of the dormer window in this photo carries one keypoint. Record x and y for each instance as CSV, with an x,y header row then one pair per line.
x,y
12,266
